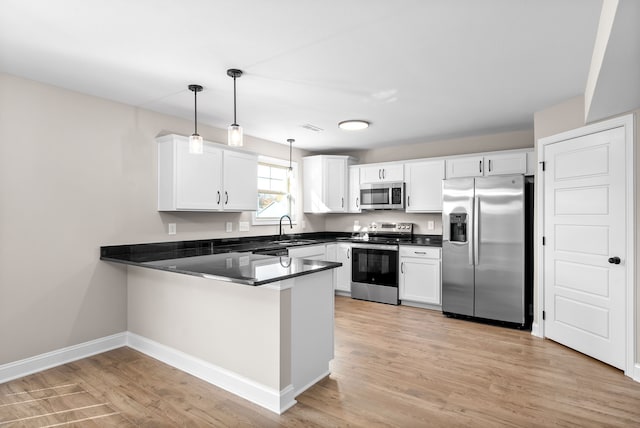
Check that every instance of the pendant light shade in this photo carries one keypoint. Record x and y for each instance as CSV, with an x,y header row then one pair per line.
x,y
196,145
235,130
290,170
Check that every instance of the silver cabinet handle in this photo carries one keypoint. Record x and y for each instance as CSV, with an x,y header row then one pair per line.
x,y
348,253
342,202
419,252
357,202
480,166
218,198
408,201
226,201
402,267
380,174
383,173
489,165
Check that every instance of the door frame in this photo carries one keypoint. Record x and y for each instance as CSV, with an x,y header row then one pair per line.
x,y
626,121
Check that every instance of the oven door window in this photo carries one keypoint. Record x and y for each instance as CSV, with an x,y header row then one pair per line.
x,y
371,266
375,196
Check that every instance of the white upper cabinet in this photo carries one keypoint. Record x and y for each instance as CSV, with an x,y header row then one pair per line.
x,y
216,180
490,164
508,163
325,186
424,186
354,189
382,173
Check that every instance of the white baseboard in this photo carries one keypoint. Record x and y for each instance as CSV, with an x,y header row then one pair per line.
x,y
636,372
536,330
269,398
17,369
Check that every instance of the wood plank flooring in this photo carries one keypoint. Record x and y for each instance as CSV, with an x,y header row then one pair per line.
x,y
394,367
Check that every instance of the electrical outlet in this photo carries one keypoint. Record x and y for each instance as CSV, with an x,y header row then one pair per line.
x,y
243,226
431,225
171,228
229,227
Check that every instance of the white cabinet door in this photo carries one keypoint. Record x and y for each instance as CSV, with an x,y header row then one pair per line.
x,y
370,174
336,187
240,171
382,173
424,186
343,255
325,183
500,164
198,178
331,252
420,274
393,172
354,189
312,252
471,166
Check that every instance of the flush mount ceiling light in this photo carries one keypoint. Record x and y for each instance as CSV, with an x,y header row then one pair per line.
x,y
235,130
353,125
195,141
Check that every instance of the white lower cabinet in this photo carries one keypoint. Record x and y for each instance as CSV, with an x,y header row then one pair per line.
x,y
312,252
420,274
341,253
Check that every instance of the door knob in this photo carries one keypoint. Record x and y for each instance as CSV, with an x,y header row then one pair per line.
x,y
614,260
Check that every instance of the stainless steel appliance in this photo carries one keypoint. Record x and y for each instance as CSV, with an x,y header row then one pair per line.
x,y
374,262
485,254
382,196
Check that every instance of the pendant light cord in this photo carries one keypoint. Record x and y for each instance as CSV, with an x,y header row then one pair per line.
x,y
234,101
195,111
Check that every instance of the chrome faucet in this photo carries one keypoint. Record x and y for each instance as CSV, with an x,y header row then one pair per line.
x,y
290,225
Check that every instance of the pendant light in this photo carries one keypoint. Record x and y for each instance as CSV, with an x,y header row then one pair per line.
x,y
196,145
290,170
235,130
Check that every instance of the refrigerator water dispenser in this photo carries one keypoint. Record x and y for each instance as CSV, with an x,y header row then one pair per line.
x,y
458,224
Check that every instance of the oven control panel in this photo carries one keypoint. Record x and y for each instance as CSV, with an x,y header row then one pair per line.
x,y
399,228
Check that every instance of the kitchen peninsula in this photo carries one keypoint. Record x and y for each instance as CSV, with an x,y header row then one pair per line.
x,y
258,326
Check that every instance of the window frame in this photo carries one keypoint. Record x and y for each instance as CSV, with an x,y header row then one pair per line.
x,y
255,221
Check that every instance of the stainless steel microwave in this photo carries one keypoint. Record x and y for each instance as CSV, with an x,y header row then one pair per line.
x,y
382,196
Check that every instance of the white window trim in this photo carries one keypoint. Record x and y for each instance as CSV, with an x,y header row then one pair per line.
x,y
279,162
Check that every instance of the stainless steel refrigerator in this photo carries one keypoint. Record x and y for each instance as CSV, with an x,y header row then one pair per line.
x,y
484,223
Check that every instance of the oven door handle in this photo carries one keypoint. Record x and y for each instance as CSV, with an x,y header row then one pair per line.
x,y
375,246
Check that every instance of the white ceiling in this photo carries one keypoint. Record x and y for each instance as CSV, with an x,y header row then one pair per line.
x,y
419,70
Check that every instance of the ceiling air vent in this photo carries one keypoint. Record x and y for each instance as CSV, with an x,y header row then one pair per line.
x,y
311,127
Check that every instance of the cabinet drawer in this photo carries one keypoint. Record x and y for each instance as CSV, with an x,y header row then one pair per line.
x,y
421,252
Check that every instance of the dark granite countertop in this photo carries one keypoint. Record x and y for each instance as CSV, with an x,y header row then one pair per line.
x,y
241,268
231,259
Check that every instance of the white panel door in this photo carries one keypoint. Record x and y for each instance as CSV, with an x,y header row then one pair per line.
x,y
584,216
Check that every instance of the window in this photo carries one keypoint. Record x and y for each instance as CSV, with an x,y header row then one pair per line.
x,y
275,190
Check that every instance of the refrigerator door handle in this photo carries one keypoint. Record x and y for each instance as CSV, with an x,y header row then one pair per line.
x,y
476,230
470,237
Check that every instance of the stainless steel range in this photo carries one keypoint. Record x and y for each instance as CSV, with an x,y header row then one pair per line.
x,y
374,263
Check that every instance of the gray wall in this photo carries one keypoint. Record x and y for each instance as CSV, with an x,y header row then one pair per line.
x,y
78,172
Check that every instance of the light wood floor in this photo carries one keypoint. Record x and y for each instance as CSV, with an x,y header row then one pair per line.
x,y
394,366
